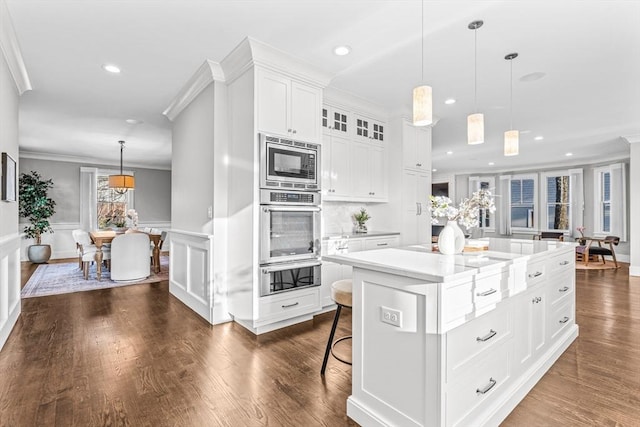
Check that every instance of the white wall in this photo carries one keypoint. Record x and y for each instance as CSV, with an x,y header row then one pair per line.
x,y
634,208
13,81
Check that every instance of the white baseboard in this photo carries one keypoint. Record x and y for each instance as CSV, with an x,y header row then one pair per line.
x,y
634,270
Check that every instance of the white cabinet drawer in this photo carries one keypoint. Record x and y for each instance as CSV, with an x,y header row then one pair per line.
x,y
560,319
466,343
562,262
536,273
488,290
561,287
381,243
476,391
289,304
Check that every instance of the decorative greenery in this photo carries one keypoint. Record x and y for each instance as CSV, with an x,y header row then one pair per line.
x,y
362,217
34,205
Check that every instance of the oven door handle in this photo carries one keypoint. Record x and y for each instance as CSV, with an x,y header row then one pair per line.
x,y
282,267
291,209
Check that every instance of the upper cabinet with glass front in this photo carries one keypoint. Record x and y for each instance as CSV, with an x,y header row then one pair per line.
x,y
287,107
368,130
336,121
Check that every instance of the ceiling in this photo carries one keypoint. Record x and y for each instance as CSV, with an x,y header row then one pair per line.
x,y
587,99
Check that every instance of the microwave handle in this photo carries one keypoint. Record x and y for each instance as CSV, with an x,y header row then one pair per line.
x,y
291,208
289,266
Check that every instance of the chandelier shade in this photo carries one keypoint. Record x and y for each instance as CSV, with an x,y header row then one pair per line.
x,y
422,106
511,142
121,183
475,129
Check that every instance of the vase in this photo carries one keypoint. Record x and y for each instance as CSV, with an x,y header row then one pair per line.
x,y
451,239
361,228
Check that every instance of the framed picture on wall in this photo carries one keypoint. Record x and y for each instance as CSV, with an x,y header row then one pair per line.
x,y
8,178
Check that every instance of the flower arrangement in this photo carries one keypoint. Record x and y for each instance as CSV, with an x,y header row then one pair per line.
x,y
467,211
581,230
132,215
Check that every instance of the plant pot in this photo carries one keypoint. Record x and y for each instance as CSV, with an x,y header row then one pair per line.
x,y
361,228
39,254
119,230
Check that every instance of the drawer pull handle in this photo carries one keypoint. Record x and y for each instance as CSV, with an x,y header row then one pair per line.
x,y
485,293
488,387
564,263
487,337
565,289
290,305
536,274
565,319
382,244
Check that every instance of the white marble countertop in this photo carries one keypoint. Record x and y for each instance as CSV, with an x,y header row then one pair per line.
x,y
420,262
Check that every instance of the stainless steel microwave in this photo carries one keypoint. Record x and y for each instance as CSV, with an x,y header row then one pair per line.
x,y
289,164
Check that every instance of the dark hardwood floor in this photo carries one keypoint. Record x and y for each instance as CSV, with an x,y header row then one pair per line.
x,y
136,356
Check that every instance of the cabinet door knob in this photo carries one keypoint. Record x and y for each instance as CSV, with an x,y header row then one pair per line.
x,y
289,130
294,131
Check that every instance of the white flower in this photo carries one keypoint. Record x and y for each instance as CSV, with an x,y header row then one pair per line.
x,y
466,213
133,216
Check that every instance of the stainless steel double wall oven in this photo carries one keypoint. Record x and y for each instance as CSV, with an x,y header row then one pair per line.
x,y
290,211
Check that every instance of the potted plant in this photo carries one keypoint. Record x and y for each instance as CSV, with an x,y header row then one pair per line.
x,y
361,219
37,207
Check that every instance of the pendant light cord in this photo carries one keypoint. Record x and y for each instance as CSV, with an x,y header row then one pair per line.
x,y
422,44
475,69
121,150
511,96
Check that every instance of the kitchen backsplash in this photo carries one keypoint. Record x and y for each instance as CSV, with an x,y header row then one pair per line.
x,y
337,217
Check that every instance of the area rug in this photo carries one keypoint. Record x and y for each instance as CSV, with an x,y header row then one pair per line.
x,y
595,266
64,278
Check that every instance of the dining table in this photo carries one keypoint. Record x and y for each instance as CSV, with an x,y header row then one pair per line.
x,y
101,237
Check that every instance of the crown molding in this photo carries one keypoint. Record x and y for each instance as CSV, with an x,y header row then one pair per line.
x,y
208,72
251,52
11,51
631,139
85,160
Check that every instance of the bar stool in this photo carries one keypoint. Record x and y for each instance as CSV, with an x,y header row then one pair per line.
x,y
341,294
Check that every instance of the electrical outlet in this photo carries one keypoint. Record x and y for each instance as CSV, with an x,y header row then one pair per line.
x,y
391,316
210,212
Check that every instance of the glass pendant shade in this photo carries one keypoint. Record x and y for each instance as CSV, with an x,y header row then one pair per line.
x,y
422,106
511,138
122,183
475,129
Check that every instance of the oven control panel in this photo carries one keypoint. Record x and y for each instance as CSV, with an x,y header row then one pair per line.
x,y
276,197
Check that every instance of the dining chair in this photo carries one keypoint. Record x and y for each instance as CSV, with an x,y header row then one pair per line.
x,y
130,257
87,251
550,235
163,236
603,251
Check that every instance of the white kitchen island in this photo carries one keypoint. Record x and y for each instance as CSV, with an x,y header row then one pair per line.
x,y
456,340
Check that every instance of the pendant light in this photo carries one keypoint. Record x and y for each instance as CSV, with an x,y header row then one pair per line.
x,y
511,136
475,122
121,183
422,95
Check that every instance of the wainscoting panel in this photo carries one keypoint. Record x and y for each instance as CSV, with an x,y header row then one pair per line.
x,y
191,273
9,284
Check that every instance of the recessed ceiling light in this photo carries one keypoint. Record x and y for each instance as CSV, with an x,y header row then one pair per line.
x,y
568,154
538,138
491,163
449,152
532,77
111,68
450,101
434,170
134,121
342,50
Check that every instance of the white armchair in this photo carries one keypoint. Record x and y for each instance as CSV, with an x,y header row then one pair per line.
x,y
87,251
130,257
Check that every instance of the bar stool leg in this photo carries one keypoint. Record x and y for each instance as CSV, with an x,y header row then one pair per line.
x,y
330,342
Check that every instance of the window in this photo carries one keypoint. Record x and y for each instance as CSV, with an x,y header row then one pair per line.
x,y
557,201
485,218
602,184
523,196
111,206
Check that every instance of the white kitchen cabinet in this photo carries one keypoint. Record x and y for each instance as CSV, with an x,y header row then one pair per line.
x,y
416,147
368,130
336,172
416,218
336,121
381,242
368,172
287,107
